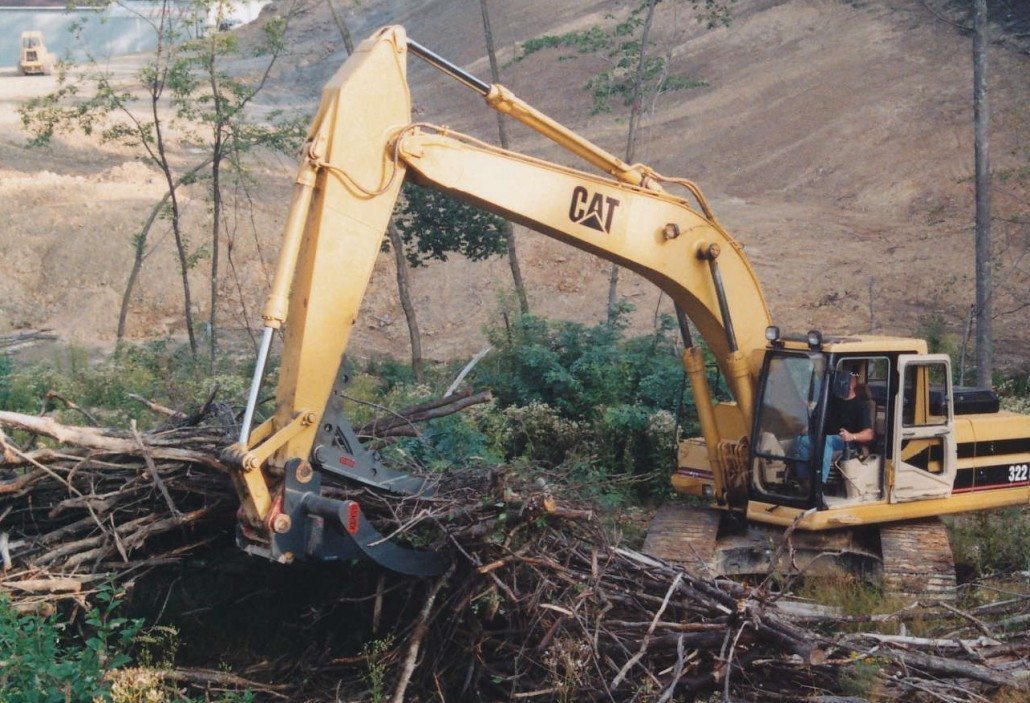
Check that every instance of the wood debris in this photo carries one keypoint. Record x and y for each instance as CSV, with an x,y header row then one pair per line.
x,y
539,603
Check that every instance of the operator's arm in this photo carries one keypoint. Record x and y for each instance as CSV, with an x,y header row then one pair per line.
x,y
864,437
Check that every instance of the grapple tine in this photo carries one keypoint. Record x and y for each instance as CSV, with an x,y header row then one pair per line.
x,y
338,451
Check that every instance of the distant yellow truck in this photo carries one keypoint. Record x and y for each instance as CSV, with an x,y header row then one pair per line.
x,y
35,59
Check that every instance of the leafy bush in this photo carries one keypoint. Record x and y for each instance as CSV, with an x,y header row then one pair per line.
x,y
570,393
45,661
1014,393
992,541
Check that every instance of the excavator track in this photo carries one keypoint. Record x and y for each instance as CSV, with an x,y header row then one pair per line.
x,y
917,559
684,535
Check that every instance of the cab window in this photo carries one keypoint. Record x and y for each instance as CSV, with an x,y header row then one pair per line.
x,y
783,447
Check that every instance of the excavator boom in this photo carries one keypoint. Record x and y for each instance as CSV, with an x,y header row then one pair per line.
x,y
359,150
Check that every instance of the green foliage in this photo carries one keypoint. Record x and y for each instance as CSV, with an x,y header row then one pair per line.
x,y
848,593
934,329
585,396
580,370
1014,392
619,43
376,658
162,371
433,225
44,660
861,679
988,542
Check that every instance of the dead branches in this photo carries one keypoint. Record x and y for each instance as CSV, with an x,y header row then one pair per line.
x,y
402,423
538,603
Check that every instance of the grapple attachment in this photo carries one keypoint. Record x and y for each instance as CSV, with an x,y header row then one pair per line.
x,y
309,525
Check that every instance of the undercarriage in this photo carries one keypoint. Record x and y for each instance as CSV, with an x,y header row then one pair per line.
x,y
911,558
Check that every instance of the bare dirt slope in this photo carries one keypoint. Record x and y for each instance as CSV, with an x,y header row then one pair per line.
x,y
834,139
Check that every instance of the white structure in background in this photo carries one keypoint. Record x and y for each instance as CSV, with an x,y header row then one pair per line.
x,y
236,13
122,27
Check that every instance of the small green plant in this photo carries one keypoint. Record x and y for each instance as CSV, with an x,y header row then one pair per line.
x,y
848,594
861,679
376,660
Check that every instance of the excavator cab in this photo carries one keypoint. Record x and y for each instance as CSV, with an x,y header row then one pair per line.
x,y
904,398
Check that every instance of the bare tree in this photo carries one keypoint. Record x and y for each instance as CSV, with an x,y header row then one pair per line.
x,y
348,42
141,252
981,114
502,132
635,110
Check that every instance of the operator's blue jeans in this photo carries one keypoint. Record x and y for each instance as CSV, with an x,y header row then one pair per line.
x,y
803,450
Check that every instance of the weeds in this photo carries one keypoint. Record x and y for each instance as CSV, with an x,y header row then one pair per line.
x,y
162,371
376,661
990,542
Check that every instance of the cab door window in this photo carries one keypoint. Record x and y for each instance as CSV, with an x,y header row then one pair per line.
x,y
923,408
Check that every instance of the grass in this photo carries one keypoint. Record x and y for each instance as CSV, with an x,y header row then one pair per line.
x,y
991,542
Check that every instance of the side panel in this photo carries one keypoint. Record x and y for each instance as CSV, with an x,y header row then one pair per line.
x,y
993,452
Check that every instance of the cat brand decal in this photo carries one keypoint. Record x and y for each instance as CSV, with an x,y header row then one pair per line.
x,y
594,211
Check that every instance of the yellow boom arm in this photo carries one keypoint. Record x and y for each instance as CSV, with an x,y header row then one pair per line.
x,y
360,149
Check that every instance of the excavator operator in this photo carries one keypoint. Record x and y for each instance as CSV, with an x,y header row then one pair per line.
x,y
847,418
847,422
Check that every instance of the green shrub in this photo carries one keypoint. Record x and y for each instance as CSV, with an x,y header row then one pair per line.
x,y
162,371
43,660
572,393
992,541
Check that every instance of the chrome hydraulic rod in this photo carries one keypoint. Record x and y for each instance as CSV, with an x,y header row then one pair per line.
x,y
439,62
255,385
504,101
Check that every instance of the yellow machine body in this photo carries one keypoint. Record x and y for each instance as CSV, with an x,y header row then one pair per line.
x,y
363,145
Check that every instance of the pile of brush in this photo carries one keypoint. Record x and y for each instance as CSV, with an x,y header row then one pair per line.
x,y
539,602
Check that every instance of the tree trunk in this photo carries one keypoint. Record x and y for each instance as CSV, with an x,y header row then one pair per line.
x,y
984,341
216,214
631,137
180,242
161,158
502,132
141,247
348,42
404,289
217,153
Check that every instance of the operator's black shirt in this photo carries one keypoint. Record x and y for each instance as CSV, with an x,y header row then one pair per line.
x,y
851,415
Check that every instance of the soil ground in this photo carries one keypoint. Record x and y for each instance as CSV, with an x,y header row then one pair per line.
x,y
833,138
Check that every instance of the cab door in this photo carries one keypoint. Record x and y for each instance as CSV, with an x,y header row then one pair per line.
x,y
925,453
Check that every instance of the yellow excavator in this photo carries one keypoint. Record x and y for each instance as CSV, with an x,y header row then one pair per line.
x,y
758,467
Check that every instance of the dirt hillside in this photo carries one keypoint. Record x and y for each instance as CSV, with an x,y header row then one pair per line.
x,y
833,138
